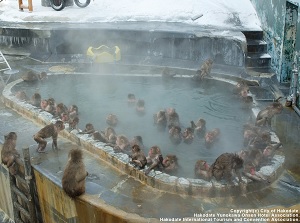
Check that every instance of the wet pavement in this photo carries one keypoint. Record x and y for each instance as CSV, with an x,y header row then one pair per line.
x,y
127,194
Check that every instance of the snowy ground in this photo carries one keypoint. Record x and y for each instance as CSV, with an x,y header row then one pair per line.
x,y
228,14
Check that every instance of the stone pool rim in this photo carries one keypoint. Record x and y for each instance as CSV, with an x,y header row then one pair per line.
x,y
155,179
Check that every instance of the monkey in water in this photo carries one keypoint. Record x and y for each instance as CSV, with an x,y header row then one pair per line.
x,y
138,158
9,154
48,131
73,180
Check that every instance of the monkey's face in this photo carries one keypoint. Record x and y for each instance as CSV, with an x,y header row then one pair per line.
x,y
135,149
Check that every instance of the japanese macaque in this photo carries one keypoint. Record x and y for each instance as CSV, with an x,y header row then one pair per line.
x,y
107,136
175,134
199,127
172,117
9,154
73,180
36,100
140,106
252,160
264,117
138,158
211,137
30,76
122,145
60,109
51,107
154,160
160,120
43,76
89,129
256,137
166,73
112,120
170,163
137,140
188,135
73,123
21,95
240,86
202,170
48,131
44,104
269,152
131,100
64,117
204,70
225,164
73,111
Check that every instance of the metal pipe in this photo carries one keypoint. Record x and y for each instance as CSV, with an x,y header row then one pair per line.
x,y
294,102
295,73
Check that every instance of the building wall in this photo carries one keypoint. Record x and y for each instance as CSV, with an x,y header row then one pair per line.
x,y
272,15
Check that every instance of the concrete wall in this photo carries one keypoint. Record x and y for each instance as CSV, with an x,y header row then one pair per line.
x,y
272,14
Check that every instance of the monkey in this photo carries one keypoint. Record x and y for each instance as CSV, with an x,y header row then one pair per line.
x,y
225,164
51,107
202,170
154,160
112,120
260,141
199,128
137,140
175,134
188,135
138,159
240,86
252,160
44,104
122,145
73,123
269,151
9,154
36,100
108,136
64,117
21,95
73,111
170,163
50,130
211,136
60,109
172,117
264,117
131,100
204,70
30,76
140,106
89,129
43,76
73,180
166,73
160,120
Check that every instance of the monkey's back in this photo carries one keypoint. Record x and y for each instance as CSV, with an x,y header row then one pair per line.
x,y
8,149
69,183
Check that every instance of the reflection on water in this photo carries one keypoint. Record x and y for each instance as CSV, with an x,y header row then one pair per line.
x,y
98,96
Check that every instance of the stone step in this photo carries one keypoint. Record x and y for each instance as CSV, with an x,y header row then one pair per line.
x,y
256,46
259,60
255,35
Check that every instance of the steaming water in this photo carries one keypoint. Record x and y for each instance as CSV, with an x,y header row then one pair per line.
x,y
99,95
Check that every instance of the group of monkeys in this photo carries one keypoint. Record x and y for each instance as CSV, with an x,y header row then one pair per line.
x,y
257,141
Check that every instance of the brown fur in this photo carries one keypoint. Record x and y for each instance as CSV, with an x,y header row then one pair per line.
x,y
9,154
73,180
202,170
138,158
225,164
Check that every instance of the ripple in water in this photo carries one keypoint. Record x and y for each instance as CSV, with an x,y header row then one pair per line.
x,y
99,95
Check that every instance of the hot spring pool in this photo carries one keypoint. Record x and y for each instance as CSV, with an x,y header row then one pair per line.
x,y
99,95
